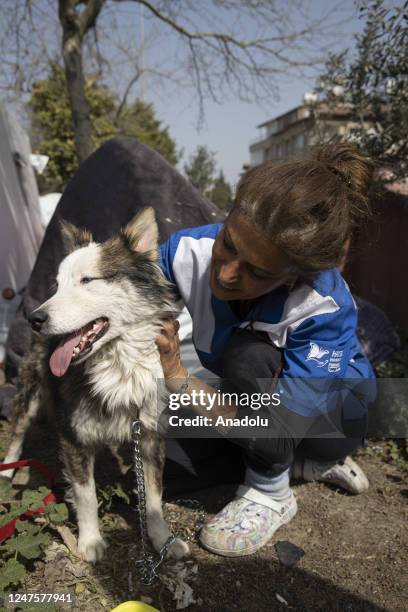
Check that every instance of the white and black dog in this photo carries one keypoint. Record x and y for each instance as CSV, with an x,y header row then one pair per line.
x,y
95,361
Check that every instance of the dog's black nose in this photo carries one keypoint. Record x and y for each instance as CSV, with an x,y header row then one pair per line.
x,y
37,318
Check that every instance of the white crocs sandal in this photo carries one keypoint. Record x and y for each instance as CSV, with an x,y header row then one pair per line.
x,y
246,523
347,475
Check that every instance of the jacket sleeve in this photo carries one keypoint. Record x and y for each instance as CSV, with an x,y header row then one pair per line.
x,y
167,252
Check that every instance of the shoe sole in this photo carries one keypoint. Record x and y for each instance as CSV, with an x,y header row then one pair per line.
x,y
249,551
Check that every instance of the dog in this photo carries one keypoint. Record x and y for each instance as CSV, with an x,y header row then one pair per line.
x,y
95,362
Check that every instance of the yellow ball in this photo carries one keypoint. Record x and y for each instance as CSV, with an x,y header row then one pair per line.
x,y
134,606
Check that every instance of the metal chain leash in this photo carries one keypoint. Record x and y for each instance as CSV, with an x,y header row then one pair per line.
x,y
148,564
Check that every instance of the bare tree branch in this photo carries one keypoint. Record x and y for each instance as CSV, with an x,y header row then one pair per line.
x,y
89,15
259,43
218,48
125,96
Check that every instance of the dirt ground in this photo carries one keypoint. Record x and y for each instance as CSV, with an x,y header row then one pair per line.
x,y
355,550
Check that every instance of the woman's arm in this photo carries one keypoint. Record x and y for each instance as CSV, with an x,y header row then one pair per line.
x,y
176,375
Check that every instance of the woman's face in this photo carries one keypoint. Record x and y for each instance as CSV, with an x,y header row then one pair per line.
x,y
244,264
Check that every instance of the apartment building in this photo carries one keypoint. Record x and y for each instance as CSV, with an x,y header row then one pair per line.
x,y
289,134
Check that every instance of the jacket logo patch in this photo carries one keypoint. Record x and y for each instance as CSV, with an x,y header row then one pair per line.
x,y
316,353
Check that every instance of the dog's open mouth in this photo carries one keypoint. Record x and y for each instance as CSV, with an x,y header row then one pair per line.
x,y
77,344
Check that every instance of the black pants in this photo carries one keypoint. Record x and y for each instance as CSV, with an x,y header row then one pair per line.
x,y
250,363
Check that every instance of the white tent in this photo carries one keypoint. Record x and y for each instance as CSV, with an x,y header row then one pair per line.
x,y
21,229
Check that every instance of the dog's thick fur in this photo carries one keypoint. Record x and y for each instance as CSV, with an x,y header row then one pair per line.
x,y
95,400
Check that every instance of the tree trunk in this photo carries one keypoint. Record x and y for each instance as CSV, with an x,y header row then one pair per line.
x,y
74,26
76,92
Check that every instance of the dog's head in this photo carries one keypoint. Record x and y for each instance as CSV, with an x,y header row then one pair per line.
x,y
103,290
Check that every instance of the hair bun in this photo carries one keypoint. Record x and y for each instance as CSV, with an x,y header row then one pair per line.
x,y
345,160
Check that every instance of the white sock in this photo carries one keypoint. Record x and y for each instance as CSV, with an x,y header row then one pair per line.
x,y
277,486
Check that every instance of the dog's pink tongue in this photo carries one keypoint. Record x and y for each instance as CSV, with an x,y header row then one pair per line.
x,y
61,357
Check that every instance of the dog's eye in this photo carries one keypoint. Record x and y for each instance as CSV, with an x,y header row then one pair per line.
x,y
86,279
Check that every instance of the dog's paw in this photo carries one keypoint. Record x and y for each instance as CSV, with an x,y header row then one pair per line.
x,y
92,549
178,549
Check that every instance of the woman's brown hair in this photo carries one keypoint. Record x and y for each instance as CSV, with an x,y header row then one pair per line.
x,y
310,207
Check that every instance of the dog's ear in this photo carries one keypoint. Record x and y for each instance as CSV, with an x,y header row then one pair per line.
x,y
74,237
142,233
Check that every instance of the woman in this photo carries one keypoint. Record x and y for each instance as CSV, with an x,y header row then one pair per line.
x,y
268,302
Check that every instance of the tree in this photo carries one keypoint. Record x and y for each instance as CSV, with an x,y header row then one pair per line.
x,y
200,169
374,85
221,48
53,132
139,121
221,193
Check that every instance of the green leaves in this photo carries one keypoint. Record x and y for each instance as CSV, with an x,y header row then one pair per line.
x,y
29,544
34,498
201,170
109,492
57,513
30,500
12,572
6,490
375,87
31,537
16,510
53,133
221,193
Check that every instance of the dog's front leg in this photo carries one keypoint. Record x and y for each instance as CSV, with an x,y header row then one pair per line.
x,y
79,471
26,412
152,451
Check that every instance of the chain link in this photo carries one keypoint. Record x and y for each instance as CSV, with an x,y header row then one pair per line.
x,y
148,564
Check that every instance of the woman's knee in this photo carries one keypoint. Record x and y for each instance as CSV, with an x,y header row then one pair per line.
x,y
249,356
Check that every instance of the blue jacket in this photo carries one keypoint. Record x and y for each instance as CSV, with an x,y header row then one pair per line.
x,y
314,325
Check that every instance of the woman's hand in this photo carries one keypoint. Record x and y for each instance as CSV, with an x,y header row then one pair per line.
x,y
169,348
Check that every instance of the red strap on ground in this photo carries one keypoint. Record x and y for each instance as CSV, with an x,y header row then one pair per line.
x,y
7,530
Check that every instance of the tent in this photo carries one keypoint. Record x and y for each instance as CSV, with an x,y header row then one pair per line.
x,y
21,229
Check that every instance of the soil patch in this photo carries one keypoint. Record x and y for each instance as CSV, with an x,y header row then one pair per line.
x,y
355,548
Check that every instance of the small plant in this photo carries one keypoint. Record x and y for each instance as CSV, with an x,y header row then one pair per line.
x,y
398,367
31,535
397,453
107,494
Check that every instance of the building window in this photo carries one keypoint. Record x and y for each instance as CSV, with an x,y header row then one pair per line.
x,y
299,142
